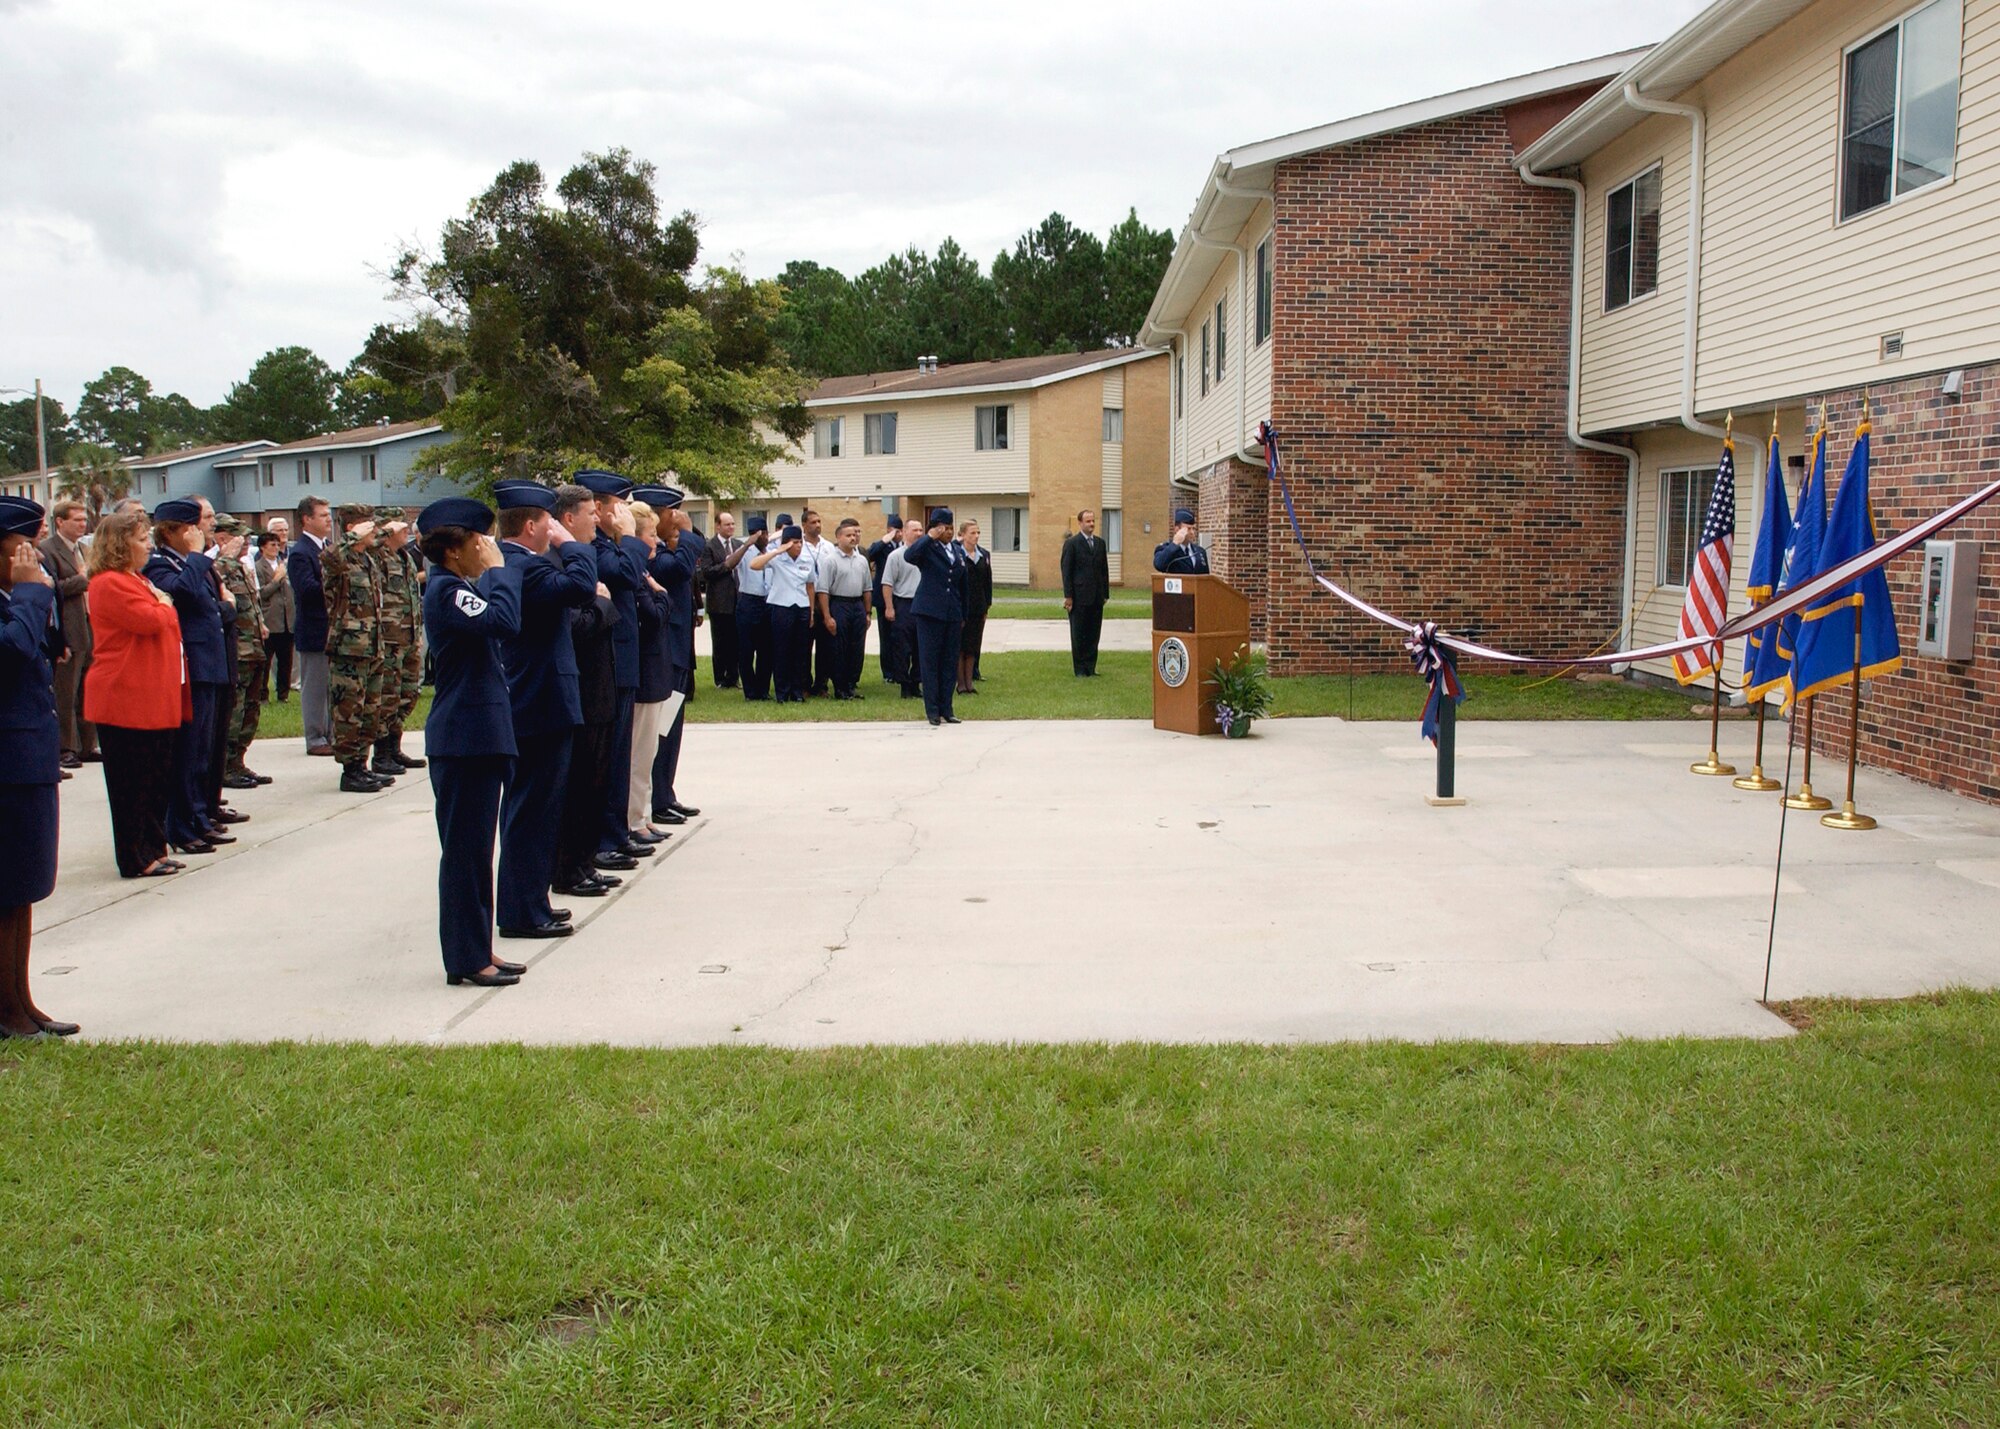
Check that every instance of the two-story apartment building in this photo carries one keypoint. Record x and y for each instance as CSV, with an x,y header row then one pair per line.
x,y
373,466
1392,297
189,472
1782,207
1019,445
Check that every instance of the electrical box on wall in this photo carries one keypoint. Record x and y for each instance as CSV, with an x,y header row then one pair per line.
x,y
1950,600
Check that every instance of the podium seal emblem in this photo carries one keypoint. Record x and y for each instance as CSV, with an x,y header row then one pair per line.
x,y
1173,663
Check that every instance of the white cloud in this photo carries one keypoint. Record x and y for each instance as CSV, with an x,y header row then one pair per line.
x,y
189,187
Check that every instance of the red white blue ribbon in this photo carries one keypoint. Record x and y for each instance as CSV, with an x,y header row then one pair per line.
x,y
1427,654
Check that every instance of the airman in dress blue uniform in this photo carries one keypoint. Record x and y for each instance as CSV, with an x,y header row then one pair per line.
x,y
674,570
1182,556
189,578
621,566
30,758
940,610
472,603
558,575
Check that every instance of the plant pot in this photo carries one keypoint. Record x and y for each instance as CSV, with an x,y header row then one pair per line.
x,y
1239,730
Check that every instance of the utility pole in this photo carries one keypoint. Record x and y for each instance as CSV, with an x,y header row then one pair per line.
x,y
41,437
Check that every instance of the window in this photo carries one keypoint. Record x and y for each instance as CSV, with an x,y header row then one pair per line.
x,y
326,470
761,514
989,428
1899,109
368,467
1683,504
229,481
827,434
878,434
264,469
1263,292
1114,424
1204,359
1010,528
305,472
1221,341
1180,385
1114,529
1632,240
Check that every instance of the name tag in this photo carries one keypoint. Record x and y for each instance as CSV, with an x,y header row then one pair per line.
x,y
1172,586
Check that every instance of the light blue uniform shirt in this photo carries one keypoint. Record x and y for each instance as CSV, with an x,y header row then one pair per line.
x,y
790,575
748,581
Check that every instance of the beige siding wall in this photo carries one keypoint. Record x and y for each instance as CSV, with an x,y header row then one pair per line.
x,y
1632,356
1207,431
934,451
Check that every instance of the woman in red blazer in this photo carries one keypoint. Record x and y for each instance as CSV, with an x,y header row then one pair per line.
x,y
136,693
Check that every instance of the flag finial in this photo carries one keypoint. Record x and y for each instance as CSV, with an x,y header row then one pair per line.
x,y
1774,422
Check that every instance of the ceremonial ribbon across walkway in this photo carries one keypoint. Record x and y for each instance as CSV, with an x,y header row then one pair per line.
x,y
1778,608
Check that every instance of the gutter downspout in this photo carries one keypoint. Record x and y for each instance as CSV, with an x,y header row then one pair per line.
x,y
1692,309
1573,420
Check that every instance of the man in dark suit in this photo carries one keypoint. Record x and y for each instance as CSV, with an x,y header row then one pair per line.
x,y
718,590
939,608
1184,555
309,625
558,575
1086,585
878,556
68,567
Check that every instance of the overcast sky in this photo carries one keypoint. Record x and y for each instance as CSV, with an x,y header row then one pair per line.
x,y
187,186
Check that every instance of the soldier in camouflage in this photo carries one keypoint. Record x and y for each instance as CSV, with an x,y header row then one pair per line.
x,y
402,639
252,660
354,646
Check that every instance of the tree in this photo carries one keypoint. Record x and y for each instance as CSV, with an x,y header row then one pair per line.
x,y
173,422
17,433
1052,289
402,374
94,474
112,412
821,327
1135,260
587,341
288,395
955,309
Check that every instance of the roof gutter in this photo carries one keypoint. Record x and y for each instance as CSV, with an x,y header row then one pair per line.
x,y
1691,315
1573,416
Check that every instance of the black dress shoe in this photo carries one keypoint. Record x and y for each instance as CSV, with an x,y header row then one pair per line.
x,y
238,781
91,758
70,761
559,915
648,837
219,836
669,817
227,815
594,888
501,965
615,861
544,930
935,721
57,1029
194,846
485,977
634,849
953,719
683,810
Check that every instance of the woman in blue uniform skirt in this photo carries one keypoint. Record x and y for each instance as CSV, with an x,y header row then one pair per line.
x,y
30,752
472,602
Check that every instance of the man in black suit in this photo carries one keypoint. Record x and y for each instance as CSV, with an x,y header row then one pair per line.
x,y
718,588
1086,578
878,556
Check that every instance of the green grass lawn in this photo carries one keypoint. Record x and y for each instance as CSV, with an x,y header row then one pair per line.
x,y
1803,1232
1022,603
1037,684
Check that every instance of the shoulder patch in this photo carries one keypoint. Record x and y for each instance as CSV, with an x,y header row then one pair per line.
x,y
469,603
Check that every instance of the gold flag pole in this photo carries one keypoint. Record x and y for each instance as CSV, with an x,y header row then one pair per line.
x,y
1805,798
1713,764
1756,781
1847,818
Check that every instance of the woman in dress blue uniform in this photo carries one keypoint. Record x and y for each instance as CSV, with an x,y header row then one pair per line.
x,y
30,759
472,602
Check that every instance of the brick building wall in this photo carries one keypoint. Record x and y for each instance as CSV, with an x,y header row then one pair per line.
x,y
1421,312
1936,721
1234,518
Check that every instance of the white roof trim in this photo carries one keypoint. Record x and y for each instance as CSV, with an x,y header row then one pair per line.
x,y
313,444
878,396
212,457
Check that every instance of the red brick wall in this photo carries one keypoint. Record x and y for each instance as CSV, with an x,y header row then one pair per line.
x,y
1419,391
1234,527
1935,721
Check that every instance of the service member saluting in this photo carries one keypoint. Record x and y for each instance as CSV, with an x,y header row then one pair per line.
x,y
1182,556
472,602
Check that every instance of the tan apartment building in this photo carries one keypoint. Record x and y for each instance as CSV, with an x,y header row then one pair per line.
x,y
1781,207
1019,445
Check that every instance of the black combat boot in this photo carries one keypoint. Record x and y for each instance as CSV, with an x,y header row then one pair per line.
x,y
355,779
408,761
385,759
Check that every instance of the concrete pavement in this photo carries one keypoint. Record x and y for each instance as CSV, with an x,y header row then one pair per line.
x,y
1058,881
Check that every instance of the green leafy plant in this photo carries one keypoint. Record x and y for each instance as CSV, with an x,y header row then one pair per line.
x,y
1242,691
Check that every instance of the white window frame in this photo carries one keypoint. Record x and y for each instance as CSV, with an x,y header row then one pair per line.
x,y
268,471
368,466
878,434
1694,511
995,434
1221,337
305,471
1204,359
1896,195
1265,284
1180,381
1014,528
1114,424
829,438
326,469
1631,181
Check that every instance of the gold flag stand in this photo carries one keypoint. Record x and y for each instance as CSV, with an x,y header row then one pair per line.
x,y
1805,798
1713,764
1847,818
1756,781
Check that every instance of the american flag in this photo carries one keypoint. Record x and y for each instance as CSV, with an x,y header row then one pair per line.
x,y
1708,582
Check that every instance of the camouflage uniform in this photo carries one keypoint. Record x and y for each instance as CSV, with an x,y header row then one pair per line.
x,y
252,659
402,643
353,639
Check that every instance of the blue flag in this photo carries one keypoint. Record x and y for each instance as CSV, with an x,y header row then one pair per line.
x,y
1771,668
1767,558
1827,651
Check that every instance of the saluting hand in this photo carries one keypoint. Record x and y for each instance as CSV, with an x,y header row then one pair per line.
x,y
363,533
490,554
25,566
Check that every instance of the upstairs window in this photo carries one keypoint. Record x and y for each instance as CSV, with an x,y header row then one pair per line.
x,y
1221,341
878,434
326,470
1899,109
989,430
305,472
1180,384
264,470
1114,424
827,435
1204,359
1263,292
368,467
1632,240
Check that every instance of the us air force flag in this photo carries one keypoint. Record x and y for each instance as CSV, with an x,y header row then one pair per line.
x,y
1774,659
1827,649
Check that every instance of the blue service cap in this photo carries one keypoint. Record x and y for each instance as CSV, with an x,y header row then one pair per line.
x,y
791,533
660,498
753,524
179,509
784,518
455,511
22,517
603,483
940,516
523,495
1183,516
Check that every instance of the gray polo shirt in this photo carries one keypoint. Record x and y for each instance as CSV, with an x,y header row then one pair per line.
x,y
843,577
900,576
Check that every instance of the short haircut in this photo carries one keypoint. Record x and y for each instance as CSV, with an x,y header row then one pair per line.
x,y
514,520
269,538
131,503
848,521
805,513
111,547
440,541
1085,512
309,507
568,498
966,525
65,509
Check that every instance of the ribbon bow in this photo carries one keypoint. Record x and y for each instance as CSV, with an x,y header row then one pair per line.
x,y
1427,654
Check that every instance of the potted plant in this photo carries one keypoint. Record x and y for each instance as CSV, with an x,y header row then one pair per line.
x,y
1242,692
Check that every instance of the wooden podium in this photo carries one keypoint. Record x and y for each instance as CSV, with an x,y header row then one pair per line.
x,y
1197,620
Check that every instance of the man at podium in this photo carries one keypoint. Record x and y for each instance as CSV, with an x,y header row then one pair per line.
x,y
1182,556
